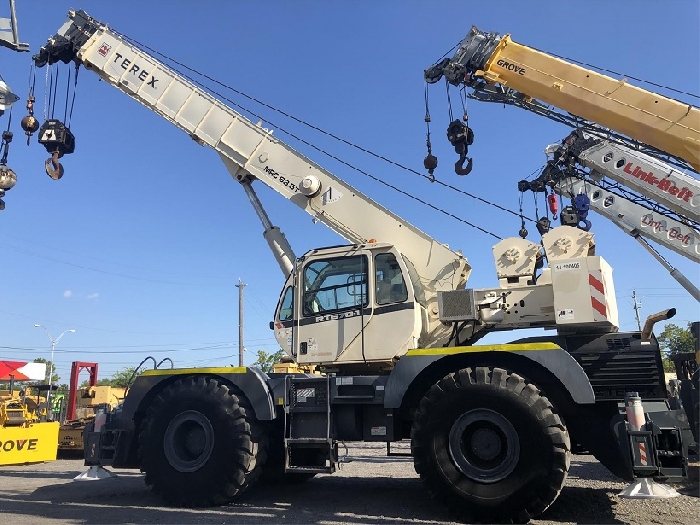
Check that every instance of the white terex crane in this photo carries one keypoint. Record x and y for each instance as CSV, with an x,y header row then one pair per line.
x,y
390,323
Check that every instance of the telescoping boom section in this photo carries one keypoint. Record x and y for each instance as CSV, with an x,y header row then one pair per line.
x,y
666,124
249,151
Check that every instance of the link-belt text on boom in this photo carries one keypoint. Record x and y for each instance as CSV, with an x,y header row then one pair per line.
x,y
141,74
663,184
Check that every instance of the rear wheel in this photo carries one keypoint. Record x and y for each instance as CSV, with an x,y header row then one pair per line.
x,y
200,443
490,446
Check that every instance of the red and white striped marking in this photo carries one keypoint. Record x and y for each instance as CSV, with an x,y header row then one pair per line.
x,y
643,454
22,371
597,289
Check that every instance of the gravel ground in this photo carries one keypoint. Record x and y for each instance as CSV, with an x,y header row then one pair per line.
x,y
370,488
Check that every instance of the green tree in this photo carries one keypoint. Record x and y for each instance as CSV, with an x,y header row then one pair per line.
x,y
675,340
119,379
265,360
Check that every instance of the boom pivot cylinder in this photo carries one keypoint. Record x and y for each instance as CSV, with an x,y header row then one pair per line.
x,y
280,247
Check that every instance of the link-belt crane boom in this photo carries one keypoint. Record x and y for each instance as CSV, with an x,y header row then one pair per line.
x,y
667,212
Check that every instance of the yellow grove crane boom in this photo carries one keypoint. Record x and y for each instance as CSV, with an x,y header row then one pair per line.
x,y
668,125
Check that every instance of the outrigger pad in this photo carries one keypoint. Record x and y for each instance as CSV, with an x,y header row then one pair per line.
x,y
647,488
95,473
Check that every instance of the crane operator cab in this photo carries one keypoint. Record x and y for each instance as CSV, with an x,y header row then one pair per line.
x,y
349,305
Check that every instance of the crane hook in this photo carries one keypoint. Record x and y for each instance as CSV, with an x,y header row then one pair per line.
x,y
54,169
459,165
461,137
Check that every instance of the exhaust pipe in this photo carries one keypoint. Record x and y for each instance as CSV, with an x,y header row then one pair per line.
x,y
653,319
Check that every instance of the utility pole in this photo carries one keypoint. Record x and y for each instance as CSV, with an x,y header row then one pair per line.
x,y
240,287
636,309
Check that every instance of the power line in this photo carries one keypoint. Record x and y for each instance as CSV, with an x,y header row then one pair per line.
x,y
335,137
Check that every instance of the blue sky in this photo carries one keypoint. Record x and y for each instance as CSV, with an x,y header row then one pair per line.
x,y
139,247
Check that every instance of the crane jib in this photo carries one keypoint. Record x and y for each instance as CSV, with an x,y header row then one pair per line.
x,y
248,150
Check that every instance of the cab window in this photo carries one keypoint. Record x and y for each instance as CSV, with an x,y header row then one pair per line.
x,y
286,308
331,285
390,286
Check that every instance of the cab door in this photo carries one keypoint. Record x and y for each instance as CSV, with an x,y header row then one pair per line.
x,y
332,304
396,323
283,324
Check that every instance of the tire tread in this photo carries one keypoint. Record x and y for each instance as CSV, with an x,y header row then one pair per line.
x,y
247,439
540,408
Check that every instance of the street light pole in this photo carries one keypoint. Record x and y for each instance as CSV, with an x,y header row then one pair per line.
x,y
54,342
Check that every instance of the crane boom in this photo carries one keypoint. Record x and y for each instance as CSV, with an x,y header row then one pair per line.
x,y
645,174
666,124
636,219
668,212
249,151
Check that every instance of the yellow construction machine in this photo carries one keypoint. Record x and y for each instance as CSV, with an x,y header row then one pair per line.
x,y
25,434
89,401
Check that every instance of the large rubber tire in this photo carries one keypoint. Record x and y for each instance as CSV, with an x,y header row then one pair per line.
x,y
490,446
200,444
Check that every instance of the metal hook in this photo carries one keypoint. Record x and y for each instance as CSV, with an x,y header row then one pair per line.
x,y
459,165
53,167
584,225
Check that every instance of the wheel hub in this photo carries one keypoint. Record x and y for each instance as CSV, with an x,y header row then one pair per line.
x,y
188,441
484,445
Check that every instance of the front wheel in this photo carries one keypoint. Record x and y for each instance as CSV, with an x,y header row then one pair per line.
x,y
490,446
200,443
